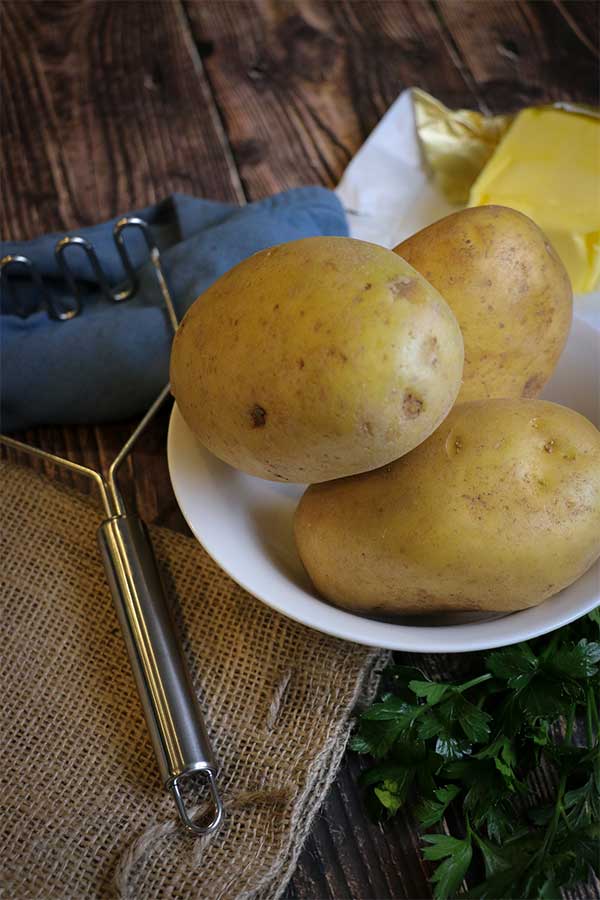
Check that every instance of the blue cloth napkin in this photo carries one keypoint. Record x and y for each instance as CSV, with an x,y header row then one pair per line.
x,y
111,360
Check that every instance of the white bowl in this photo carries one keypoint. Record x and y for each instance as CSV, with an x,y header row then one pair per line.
x,y
245,524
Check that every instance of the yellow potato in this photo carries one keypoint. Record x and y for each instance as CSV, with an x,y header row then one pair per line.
x,y
316,359
497,510
509,291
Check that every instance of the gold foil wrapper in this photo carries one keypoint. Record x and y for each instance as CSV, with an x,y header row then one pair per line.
x,y
456,143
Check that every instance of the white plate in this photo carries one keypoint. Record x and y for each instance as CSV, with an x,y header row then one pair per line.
x,y
245,524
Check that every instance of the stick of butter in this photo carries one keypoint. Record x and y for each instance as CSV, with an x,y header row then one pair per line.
x,y
548,167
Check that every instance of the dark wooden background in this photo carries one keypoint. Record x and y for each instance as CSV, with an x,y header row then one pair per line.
x,y
108,106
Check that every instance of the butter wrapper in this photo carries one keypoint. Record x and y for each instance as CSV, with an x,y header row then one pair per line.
x,y
456,144
544,162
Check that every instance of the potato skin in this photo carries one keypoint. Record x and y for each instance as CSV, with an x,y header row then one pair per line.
x,y
316,359
509,291
497,510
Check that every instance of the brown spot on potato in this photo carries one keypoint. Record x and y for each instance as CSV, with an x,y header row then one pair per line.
x,y
430,348
329,264
458,444
475,501
367,286
276,307
412,405
318,325
334,351
300,363
258,415
549,446
403,286
533,386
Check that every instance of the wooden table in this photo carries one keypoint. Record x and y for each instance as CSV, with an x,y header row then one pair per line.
x,y
109,106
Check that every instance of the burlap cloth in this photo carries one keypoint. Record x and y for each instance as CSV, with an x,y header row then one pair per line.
x,y
84,813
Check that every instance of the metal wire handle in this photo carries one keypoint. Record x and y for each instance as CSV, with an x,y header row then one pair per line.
x,y
13,261
174,719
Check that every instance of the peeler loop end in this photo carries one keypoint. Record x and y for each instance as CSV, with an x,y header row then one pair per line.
x,y
217,803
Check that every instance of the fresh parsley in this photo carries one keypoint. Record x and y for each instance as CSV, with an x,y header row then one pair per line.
x,y
476,746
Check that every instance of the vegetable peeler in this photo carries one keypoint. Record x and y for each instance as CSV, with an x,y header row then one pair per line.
x,y
170,706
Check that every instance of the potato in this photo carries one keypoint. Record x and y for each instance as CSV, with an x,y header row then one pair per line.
x,y
316,359
497,510
509,291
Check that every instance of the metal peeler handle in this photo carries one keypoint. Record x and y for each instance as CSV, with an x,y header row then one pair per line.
x,y
172,713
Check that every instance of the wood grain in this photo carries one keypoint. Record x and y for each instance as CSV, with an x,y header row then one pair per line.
x,y
110,102
522,54
108,110
108,106
302,84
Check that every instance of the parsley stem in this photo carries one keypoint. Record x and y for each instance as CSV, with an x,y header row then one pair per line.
x,y
474,681
589,724
549,650
570,723
551,830
595,714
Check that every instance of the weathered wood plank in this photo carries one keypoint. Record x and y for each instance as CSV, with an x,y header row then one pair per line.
x,y
107,109
301,84
521,54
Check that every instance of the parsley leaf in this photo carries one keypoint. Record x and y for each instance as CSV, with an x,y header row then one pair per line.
x,y
512,664
391,795
432,809
473,721
475,747
494,858
392,709
456,854
576,660
432,691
